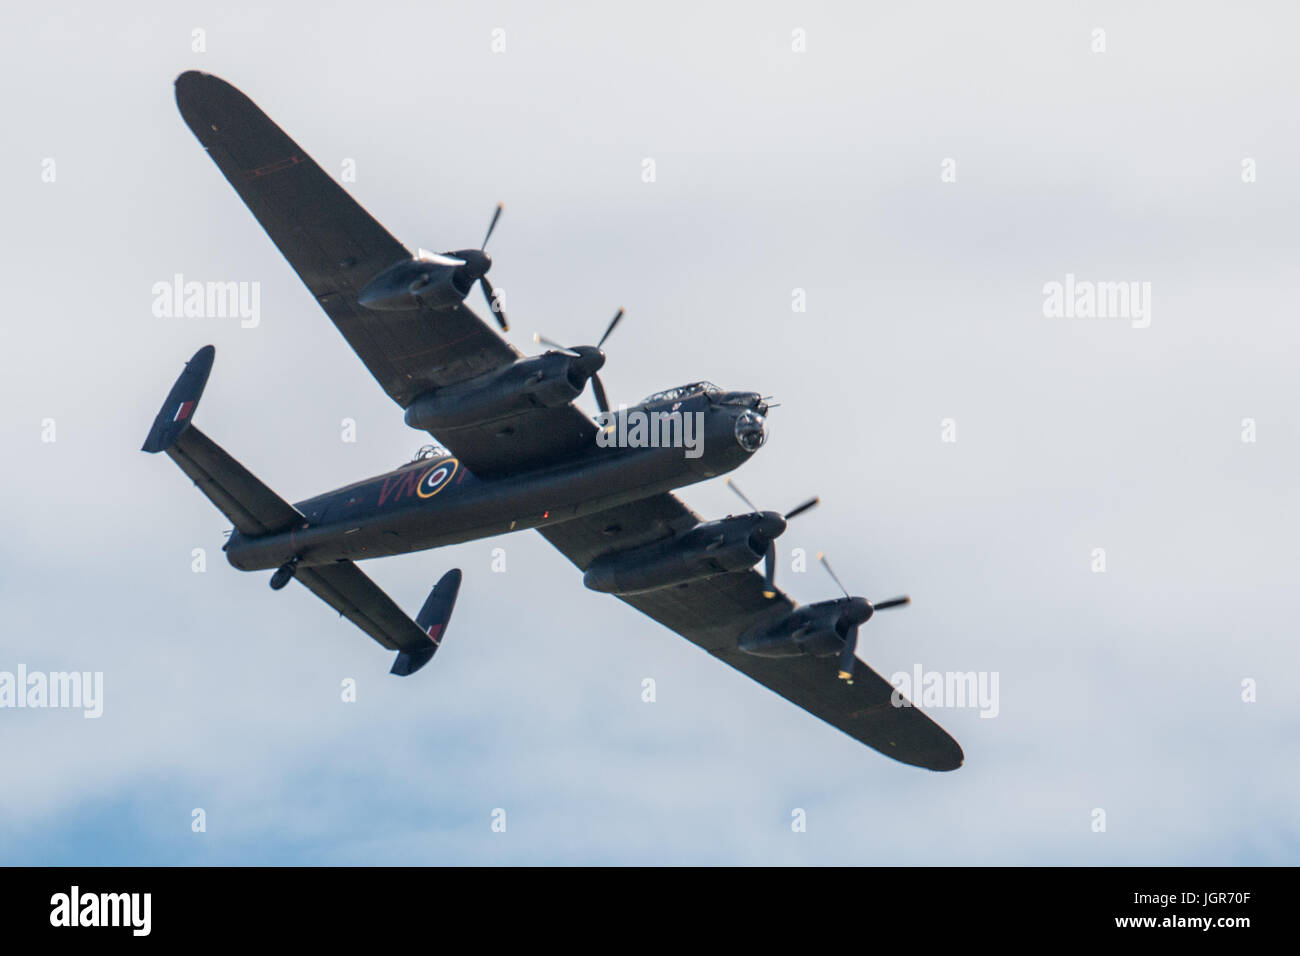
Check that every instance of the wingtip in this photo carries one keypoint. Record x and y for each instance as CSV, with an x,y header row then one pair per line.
x,y
945,764
191,81
952,764
197,77
199,93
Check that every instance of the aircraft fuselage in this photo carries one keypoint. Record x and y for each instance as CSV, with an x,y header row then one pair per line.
x,y
434,502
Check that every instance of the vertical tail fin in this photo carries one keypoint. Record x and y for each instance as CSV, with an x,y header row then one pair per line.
x,y
182,400
432,620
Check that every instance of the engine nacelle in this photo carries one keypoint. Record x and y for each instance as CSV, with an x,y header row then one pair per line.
x,y
714,547
414,283
542,381
816,630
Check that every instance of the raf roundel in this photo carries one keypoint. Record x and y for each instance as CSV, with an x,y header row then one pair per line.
x,y
436,478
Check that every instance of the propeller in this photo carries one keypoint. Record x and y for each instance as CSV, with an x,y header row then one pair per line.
x,y
474,265
772,530
847,655
592,359
496,215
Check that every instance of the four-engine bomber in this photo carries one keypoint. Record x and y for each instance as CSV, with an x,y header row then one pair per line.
x,y
516,453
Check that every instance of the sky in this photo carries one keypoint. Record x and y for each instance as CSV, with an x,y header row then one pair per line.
x,y
922,173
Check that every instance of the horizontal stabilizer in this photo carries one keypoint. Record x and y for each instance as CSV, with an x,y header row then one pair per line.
x,y
250,505
347,589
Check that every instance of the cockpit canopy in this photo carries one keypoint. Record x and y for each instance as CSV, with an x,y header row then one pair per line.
x,y
683,391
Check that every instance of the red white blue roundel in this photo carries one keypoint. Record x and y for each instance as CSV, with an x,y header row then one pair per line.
x,y
437,478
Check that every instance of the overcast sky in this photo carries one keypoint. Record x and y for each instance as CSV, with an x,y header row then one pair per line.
x,y
775,170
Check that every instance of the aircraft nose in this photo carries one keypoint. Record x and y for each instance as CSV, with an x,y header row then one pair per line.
x,y
750,430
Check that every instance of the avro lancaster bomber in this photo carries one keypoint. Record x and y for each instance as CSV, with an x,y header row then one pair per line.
x,y
513,452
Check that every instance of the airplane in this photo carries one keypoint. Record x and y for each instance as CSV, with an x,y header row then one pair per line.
x,y
513,453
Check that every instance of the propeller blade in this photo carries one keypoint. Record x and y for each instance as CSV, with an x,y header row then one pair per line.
x,y
827,565
732,485
598,390
806,506
892,602
438,259
769,571
490,294
551,343
847,658
618,317
492,225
